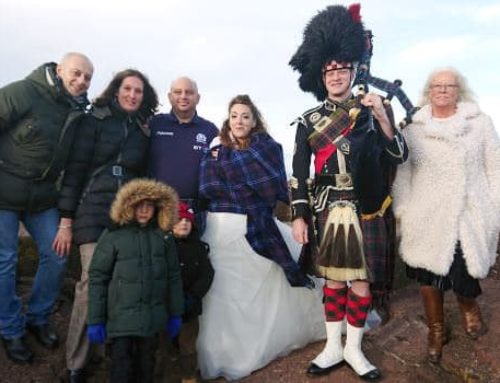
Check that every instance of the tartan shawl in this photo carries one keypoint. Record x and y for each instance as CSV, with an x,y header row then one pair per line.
x,y
250,182
321,140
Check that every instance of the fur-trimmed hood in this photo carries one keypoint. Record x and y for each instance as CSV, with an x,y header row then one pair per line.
x,y
135,191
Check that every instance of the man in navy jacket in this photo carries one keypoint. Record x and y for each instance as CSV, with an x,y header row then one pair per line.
x,y
178,141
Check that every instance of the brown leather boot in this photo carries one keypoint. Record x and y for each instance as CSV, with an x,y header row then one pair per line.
x,y
433,305
471,316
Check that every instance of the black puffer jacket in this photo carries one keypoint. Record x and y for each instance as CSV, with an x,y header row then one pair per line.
x,y
37,124
196,270
109,143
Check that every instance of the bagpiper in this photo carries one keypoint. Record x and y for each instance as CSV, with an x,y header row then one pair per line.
x,y
342,215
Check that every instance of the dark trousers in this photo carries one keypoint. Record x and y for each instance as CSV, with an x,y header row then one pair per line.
x,y
133,359
185,348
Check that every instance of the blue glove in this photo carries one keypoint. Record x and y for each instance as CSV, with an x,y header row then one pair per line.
x,y
174,326
96,333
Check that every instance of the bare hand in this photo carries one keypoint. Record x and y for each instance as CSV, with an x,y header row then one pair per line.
x,y
374,102
215,153
64,236
299,231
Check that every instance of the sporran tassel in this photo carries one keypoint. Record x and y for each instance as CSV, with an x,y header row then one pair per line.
x,y
339,247
354,249
325,250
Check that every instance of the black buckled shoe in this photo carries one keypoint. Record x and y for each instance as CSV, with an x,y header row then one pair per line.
x,y
17,350
44,335
77,376
314,369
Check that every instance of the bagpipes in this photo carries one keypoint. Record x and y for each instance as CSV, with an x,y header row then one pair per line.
x,y
364,79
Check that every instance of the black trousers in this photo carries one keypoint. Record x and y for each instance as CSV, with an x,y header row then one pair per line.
x,y
133,359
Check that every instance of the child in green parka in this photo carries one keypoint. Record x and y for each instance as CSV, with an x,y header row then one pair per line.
x,y
135,287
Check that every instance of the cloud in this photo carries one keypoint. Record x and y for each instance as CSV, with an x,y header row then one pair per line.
x,y
449,48
467,10
489,105
481,14
488,14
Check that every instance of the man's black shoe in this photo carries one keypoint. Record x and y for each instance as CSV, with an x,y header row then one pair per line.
x,y
372,375
44,335
77,376
314,369
17,350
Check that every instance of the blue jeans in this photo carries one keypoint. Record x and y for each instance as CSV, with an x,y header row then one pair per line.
x,y
43,228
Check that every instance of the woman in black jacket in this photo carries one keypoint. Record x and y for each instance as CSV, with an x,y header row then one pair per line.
x,y
109,150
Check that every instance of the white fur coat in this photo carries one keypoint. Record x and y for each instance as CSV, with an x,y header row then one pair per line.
x,y
449,190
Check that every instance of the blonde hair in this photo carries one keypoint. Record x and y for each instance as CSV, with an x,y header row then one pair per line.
x,y
464,92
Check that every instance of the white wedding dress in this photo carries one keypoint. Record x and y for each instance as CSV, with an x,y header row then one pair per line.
x,y
251,314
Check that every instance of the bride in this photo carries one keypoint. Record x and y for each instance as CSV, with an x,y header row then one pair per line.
x,y
261,305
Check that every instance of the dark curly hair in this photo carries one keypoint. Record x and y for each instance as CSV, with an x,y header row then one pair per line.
x,y
149,103
260,126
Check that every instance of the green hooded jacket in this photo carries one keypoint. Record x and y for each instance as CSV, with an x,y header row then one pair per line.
x,y
135,281
38,119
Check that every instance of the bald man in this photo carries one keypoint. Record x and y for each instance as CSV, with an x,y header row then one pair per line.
x,y
178,141
38,116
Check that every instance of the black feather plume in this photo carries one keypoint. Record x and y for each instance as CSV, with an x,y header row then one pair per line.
x,y
332,34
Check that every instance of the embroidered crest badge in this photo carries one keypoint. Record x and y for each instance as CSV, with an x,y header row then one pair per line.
x,y
314,117
201,138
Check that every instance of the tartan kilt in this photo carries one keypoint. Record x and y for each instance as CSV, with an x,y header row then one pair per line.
x,y
378,246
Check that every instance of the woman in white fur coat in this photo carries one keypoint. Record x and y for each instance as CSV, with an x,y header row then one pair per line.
x,y
447,197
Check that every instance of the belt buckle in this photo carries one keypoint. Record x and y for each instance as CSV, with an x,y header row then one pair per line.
x,y
343,180
117,170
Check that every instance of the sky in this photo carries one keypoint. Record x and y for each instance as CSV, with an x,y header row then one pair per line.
x,y
235,47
